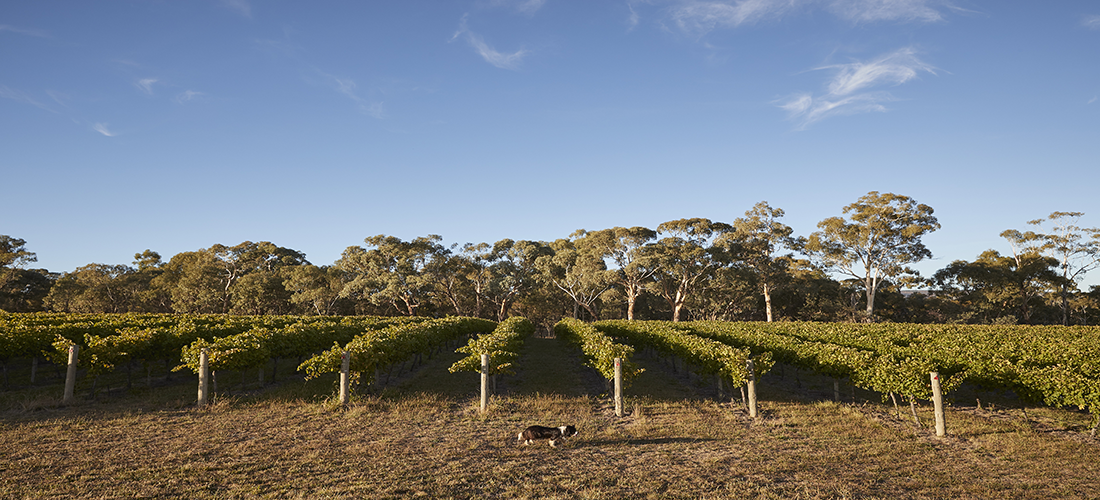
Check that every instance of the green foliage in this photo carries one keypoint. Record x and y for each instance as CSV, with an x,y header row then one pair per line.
x,y
502,346
598,348
394,344
881,239
709,355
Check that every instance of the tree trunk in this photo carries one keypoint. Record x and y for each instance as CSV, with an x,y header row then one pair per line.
x,y
768,301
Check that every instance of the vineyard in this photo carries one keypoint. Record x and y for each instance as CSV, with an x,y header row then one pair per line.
x,y
667,367
1055,366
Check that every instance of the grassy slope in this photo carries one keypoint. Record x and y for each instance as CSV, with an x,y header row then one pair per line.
x,y
424,437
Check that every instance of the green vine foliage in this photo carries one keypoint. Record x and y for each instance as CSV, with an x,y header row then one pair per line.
x,y
502,346
708,355
599,349
394,344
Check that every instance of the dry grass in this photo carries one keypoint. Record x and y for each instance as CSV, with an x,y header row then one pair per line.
x,y
423,437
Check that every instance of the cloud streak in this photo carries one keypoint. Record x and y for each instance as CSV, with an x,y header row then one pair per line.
x,y
102,128
489,54
187,95
146,85
20,96
699,17
23,31
870,11
702,17
1091,22
526,7
853,87
242,7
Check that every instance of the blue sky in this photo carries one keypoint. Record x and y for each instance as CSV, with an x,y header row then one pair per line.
x,y
175,125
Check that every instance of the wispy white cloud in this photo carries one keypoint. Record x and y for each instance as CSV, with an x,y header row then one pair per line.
x,y
869,11
187,95
348,88
24,31
1091,22
852,88
699,17
1092,100
526,7
20,96
102,128
242,7
146,85
318,77
491,55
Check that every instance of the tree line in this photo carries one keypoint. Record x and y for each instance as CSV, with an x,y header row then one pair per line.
x,y
856,267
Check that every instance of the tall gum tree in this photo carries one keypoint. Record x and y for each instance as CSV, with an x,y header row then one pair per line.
x,y
757,242
577,269
13,256
625,248
391,271
1077,250
685,259
879,240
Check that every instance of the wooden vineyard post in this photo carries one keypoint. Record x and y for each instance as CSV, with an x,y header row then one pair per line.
x,y
484,382
70,376
752,388
618,387
836,390
937,401
204,378
345,364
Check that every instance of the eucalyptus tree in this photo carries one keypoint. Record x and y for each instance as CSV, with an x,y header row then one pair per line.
x,y
994,285
577,269
475,269
626,248
879,241
93,288
757,242
391,271
1076,249
195,282
447,272
685,259
259,262
13,256
206,280
512,272
316,289
147,296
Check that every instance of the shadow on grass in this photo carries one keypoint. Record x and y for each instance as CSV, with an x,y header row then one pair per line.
x,y
592,443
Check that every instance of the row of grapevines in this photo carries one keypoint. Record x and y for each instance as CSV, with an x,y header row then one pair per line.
x,y
502,346
875,363
395,344
599,349
254,347
708,355
110,340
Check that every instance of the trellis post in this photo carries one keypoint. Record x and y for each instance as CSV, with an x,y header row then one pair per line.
x,y
484,382
70,376
618,387
345,365
752,388
204,378
937,401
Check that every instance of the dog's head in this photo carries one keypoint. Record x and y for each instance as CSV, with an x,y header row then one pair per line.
x,y
568,431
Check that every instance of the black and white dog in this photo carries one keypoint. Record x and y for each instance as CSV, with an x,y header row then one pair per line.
x,y
554,434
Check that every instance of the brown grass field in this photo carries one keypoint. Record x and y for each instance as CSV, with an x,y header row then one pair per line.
x,y
423,436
